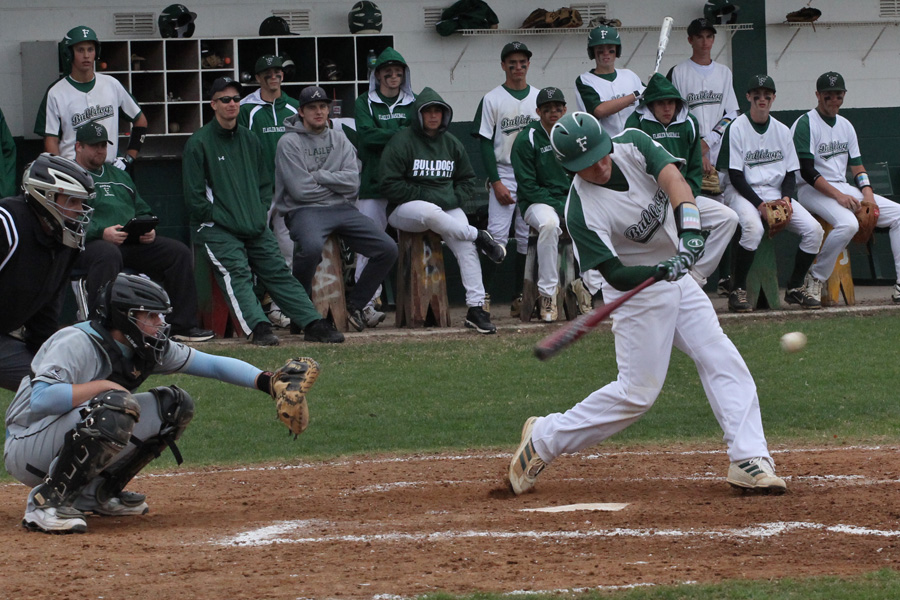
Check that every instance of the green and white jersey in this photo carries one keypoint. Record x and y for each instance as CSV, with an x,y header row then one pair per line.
x,y
832,143
591,89
708,90
629,216
765,153
69,104
500,117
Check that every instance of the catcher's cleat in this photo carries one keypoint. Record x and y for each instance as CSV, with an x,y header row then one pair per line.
x,y
479,320
373,316
50,519
895,297
525,465
801,297
737,301
262,335
813,286
489,247
120,506
755,474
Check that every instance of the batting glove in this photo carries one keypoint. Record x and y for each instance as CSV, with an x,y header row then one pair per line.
x,y
676,267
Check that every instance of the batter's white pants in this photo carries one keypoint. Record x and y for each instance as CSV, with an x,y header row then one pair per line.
x,y
546,221
721,222
453,227
802,223
501,216
845,224
645,329
376,210
716,218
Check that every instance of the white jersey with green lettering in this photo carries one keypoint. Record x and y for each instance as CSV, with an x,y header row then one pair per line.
x,y
832,147
502,118
764,153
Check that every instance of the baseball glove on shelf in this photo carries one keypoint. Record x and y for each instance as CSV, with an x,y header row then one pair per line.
x,y
289,386
804,15
867,215
777,214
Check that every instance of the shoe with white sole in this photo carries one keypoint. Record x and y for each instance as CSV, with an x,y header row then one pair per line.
x,y
548,308
49,519
372,316
756,474
126,504
525,465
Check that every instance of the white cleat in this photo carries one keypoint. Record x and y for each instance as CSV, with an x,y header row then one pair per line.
x,y
525,465
55,520
756,474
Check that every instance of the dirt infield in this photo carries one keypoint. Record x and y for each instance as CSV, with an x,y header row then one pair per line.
x,y
385,527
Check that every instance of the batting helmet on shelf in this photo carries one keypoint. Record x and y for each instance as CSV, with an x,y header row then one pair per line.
x,y
176,21
720,12
274,26
579,141
329,70
288,66
604,35
49,176
365,17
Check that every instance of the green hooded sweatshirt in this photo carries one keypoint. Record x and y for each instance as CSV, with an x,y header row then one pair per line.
x,y
226,183
681,137
416,166
377,122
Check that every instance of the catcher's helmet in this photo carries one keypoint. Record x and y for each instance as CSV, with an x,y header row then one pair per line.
x,y
126,295
79,34
604,35
50,175
274,26
364,17
579,141
176,21
720,12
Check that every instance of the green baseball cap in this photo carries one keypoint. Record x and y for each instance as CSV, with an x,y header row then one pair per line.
x,y
92,133
550,94
514,47
830,82
761,81
269,61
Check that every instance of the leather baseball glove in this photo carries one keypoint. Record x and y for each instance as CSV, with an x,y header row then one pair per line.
x,y
289,386
867,215
804,15
777,215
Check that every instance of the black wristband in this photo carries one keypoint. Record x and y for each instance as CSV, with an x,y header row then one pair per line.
x,y
137,138
687,218
264,382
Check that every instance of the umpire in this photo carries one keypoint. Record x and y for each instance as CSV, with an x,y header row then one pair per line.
x,y
43,233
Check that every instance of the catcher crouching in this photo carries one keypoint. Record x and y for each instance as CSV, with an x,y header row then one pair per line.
x,y
76,431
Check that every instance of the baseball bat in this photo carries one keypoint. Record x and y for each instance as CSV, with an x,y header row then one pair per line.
x,y
664,32
561,339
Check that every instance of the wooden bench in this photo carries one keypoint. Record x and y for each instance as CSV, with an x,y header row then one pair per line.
x,y
421,282
841,280
566,300
328,285
762,280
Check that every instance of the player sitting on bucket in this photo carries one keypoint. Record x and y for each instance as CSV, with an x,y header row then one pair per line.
x,y
77,433
632,216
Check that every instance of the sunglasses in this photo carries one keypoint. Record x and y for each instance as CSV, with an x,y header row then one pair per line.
x,y
227,99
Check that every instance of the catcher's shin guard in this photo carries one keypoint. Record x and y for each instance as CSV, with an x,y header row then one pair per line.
x,y
95,441
176,409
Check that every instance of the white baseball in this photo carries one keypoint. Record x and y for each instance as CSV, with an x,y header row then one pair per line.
x,y
793,341
174,127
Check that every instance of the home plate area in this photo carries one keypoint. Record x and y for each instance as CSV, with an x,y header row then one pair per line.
x,y
401,526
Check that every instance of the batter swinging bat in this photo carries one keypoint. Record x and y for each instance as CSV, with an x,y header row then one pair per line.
x,y
554,343
664,32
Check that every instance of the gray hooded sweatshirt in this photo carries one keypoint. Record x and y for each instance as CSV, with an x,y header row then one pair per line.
x,y
313,169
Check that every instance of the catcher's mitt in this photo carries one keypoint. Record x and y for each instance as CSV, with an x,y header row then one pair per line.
x,y
289,385
777,215
867,215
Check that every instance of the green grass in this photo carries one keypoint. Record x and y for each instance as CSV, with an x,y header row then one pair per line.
x,y
475,392
879,585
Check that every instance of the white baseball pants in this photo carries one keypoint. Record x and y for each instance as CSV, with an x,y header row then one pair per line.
x,y
546,221
501,216
375,209
646,327
802,223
